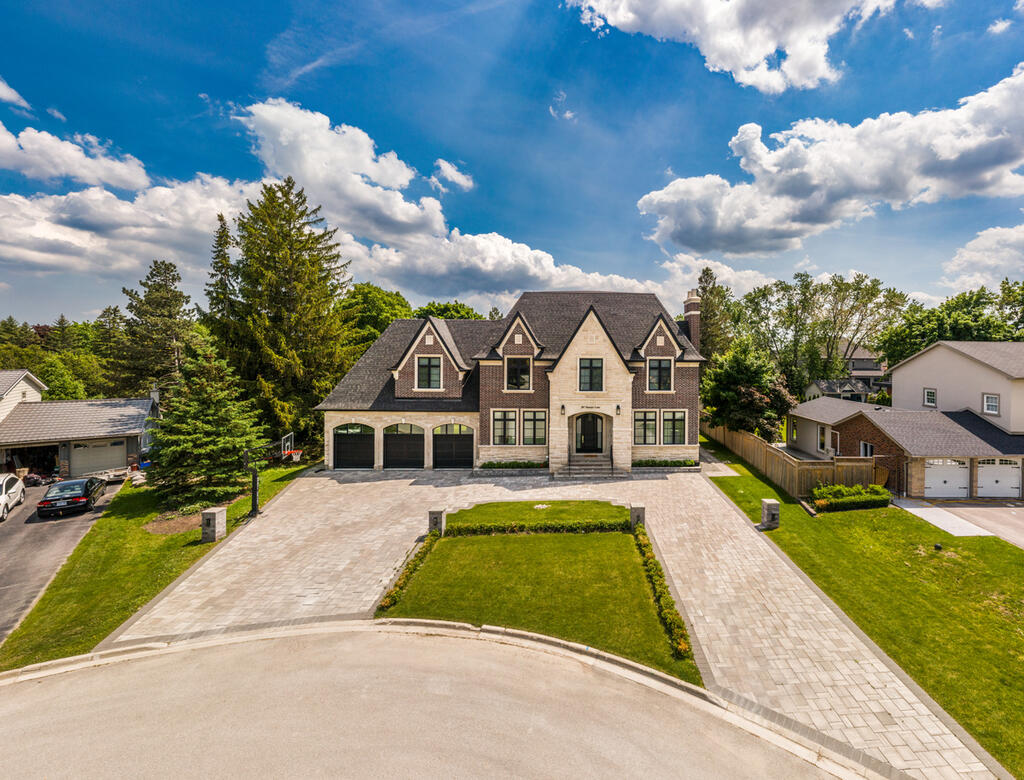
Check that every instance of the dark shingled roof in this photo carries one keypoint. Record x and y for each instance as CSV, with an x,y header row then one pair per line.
x,y
41,421
828,411
837,385
553,317
931,433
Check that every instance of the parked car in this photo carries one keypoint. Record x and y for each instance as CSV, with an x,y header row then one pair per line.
x,y
12,494
73,495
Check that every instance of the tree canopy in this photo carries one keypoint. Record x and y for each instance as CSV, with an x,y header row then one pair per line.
x,y
449,310
371,310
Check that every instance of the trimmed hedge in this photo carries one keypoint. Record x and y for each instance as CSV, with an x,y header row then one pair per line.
x,y
666,605
514,464
554,527
655,463
392,596
842,498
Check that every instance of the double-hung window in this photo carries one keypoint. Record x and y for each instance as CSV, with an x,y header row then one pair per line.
x,y
535,427
504,428
517,373
673,428
990,404
645,427
659,374
428,373
867,449
591,374
930,396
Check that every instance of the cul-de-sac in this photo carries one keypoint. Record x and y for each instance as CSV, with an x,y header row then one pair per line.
x,y
613,388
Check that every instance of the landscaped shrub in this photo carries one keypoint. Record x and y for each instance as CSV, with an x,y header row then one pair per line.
x,y
392,596
583,526
842,498
514,464
655,463
667,612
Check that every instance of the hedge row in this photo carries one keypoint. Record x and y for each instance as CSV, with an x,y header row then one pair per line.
x,y
541,527
847,491
655,463
847,503
514,464
666,605
392,596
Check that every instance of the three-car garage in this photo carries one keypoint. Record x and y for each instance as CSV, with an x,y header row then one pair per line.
x,y
403,445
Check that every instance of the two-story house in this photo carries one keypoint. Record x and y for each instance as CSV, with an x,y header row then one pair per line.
x,y
570,378
955,428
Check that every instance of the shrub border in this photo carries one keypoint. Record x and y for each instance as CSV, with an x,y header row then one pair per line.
x,y
553,527
394,594
670,618
660,463
496,465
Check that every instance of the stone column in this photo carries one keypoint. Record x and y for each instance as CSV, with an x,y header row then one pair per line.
x,y
215,524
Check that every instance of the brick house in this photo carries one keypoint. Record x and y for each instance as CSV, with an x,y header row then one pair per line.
x,y
591,380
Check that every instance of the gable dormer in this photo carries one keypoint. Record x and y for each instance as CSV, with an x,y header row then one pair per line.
x,y
660,342
518,339
430,366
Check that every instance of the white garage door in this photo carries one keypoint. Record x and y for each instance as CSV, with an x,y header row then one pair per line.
x,y
90,456
999,478
946,478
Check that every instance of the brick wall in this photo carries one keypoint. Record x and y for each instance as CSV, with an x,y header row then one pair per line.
x,y
685,395
888,454
494,396
406,381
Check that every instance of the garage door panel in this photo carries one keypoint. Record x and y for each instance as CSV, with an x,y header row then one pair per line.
x,y
353,450
403,450
88,457
999,478
946,478
453,451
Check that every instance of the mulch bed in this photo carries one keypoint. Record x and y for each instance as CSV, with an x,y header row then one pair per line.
x,y
172,523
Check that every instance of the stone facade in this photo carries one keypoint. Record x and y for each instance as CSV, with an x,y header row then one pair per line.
x,y
381,420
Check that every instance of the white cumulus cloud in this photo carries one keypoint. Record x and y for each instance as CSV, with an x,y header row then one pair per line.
x,y
769,46
10,95
999,26
820,173
446,171
993,255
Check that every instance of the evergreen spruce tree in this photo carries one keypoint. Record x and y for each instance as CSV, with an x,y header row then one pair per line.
x,y
155,330
205,428
110,333
221,317
61,337
290,339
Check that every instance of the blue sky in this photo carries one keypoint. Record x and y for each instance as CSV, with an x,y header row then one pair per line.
x,y
477,149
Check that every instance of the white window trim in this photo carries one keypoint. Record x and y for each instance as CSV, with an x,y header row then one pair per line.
x,y
924,397
984,406
516,424
521,422
504,374
671,377
416,383
579,374
822,429
657,428
686,428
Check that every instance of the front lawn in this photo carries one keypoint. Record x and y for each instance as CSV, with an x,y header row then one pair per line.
x,y
504,516
953,618
717,450
586,588
117,568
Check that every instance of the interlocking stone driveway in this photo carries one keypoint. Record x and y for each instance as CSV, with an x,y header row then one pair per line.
x,y
329,545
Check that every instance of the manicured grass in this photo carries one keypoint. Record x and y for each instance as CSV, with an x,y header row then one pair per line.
x,y
716,449
527,514
586,588
117,568
952,619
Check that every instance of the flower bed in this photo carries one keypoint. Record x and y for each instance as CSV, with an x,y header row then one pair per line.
x,y
841,498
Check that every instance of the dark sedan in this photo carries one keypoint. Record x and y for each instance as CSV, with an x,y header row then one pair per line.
x,y
73,495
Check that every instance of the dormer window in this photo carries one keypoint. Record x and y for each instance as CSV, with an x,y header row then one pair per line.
x,y
517,373
428,373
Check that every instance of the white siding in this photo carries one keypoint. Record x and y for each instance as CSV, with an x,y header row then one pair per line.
x,y
14,397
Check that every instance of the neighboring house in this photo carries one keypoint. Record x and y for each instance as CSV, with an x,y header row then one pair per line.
x,y
69,437
572,378
926,453
865,365
846,389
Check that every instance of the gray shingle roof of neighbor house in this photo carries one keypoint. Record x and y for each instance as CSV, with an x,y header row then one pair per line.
x,y
828,411
1006,357
837,385
552,317
9,377
931,433
46,421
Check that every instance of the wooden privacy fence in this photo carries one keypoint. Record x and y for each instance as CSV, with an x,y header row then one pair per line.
x,y
796,477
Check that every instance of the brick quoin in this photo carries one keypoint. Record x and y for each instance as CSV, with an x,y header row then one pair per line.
x,y
888,454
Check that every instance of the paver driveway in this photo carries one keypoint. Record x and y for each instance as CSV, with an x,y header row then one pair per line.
x,y
330,544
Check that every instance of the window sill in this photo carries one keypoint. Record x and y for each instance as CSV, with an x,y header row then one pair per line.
x,y
511,390
428,389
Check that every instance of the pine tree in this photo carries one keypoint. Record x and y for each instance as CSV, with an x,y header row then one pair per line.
x,y
110,333
291,339
495,314
222,289
155,331
205,428
61,337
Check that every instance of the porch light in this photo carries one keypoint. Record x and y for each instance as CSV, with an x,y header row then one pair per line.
x,y
618,409
563,408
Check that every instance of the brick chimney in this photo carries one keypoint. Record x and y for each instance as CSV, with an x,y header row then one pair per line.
x,y
691,312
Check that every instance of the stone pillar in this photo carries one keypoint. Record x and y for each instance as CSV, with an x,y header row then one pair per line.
x,y
215,524
436,521
769,515
637,515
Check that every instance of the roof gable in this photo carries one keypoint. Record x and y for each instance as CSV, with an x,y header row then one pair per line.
x,y
597,317
1006,357
9,379
518,318
439,329
673,333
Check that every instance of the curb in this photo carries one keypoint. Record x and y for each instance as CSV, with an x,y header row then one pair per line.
x,y
796,744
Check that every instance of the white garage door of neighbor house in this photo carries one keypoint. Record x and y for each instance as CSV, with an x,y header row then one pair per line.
x,y
999,478
90,456
946,478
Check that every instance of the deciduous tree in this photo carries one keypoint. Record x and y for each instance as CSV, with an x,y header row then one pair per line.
x,y
371,309
448,310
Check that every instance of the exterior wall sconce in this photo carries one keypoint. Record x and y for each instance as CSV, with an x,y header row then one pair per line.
x,y
618,409
563,408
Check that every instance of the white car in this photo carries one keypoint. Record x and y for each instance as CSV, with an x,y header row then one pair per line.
x,y
12,494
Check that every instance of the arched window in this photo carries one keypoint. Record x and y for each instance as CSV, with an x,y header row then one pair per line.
x,y
404,428
353,428
452,428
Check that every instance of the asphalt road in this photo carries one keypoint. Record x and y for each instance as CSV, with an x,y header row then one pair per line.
x,y
368,704
33,549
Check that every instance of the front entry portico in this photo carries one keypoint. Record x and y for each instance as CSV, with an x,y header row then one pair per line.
x,y
590,438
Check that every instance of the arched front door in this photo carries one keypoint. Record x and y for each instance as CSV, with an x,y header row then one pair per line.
x,y
589,433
